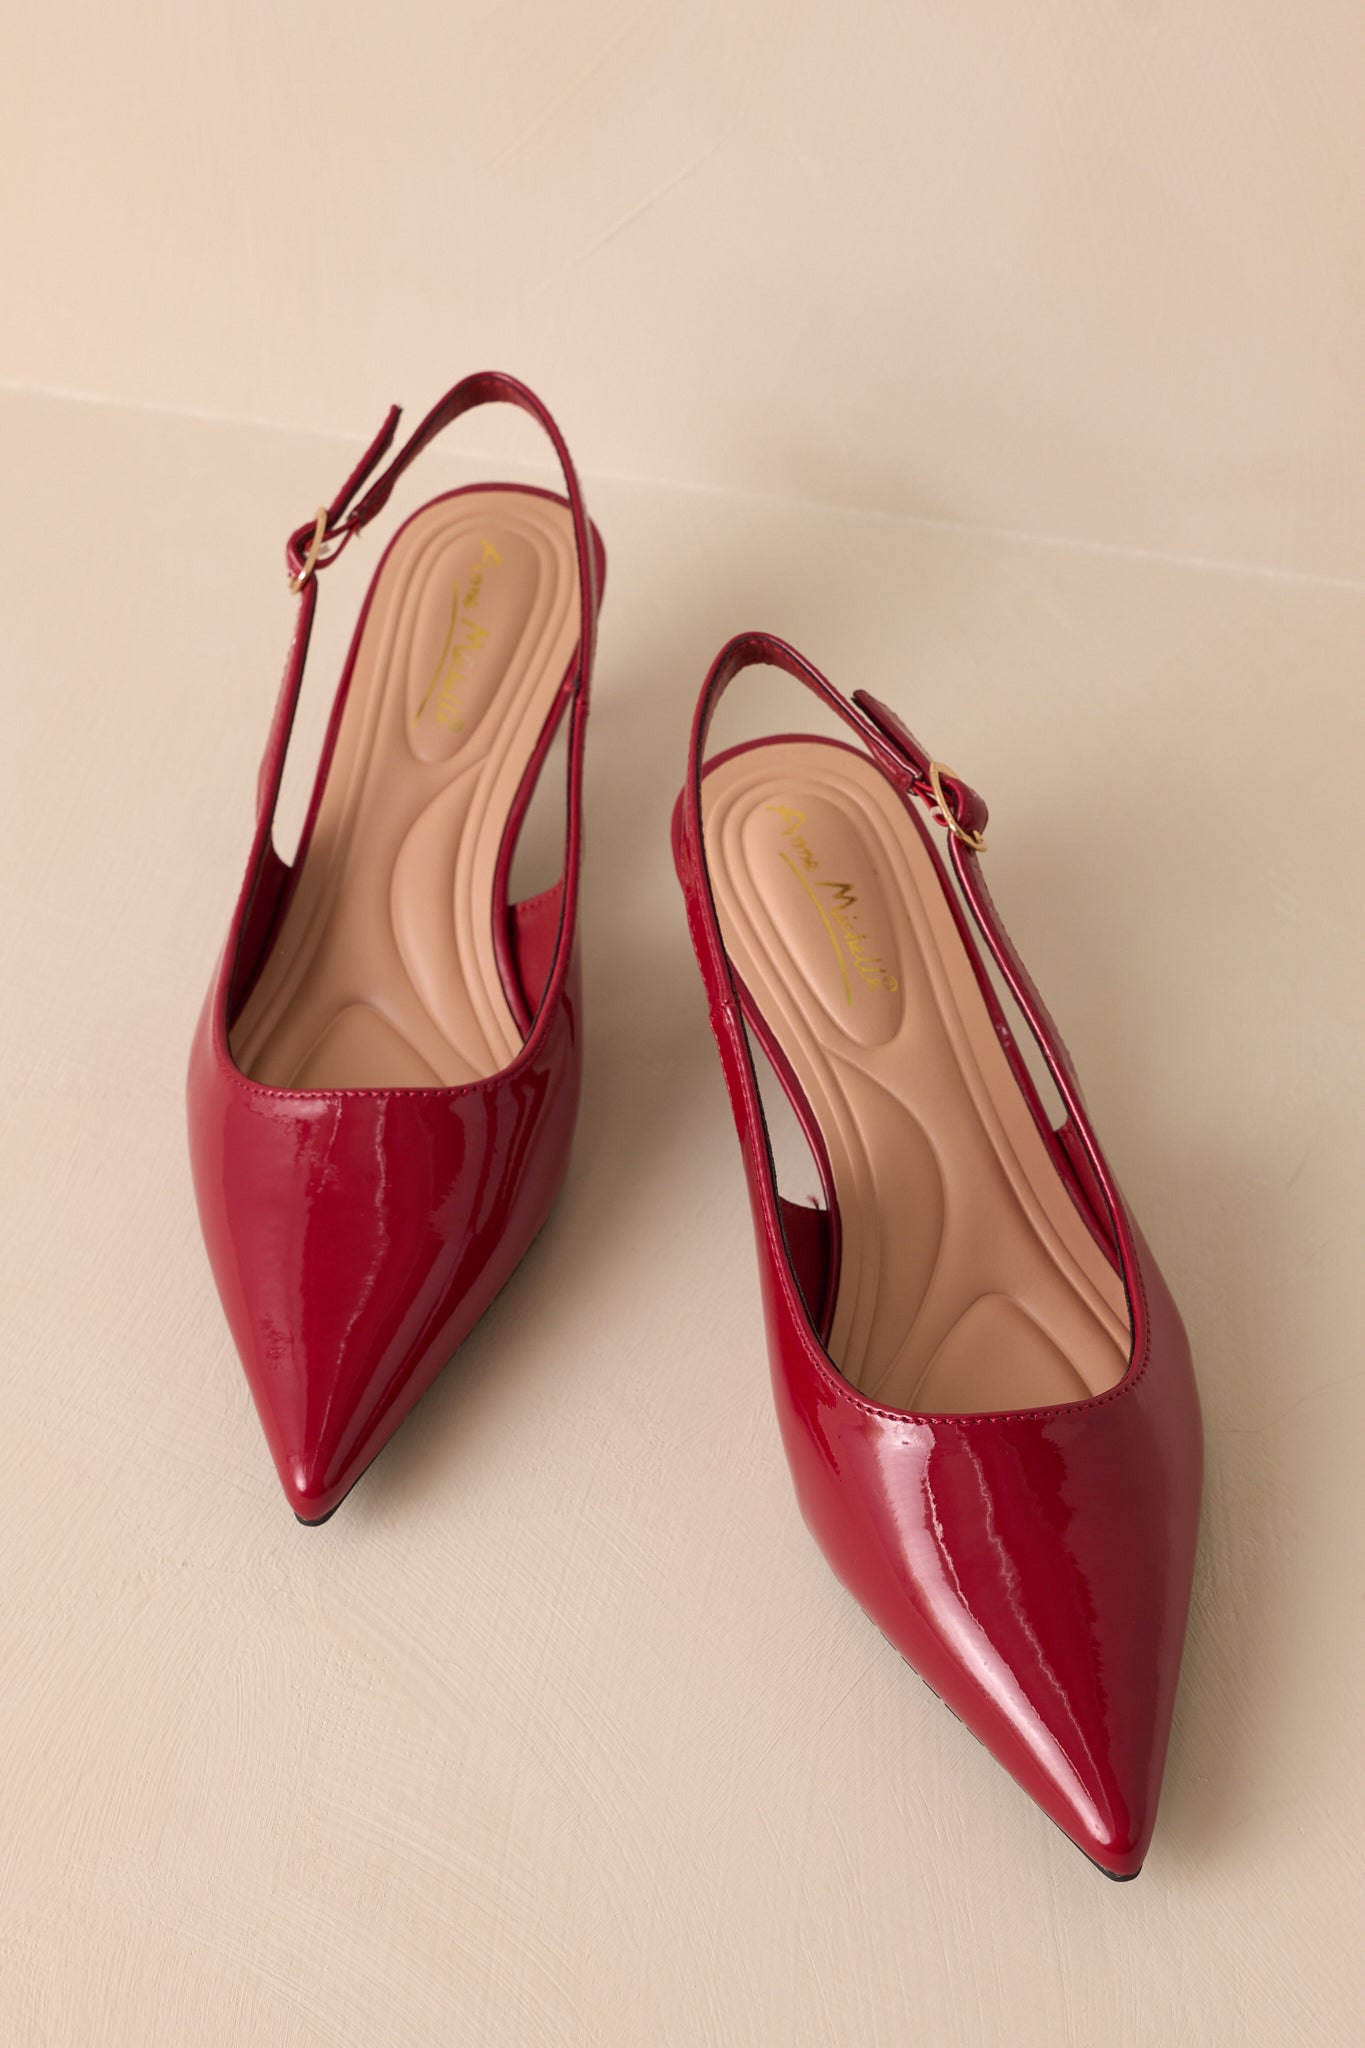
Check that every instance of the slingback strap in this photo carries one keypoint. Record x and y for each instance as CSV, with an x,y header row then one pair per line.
x,y
335,525
891,743
312,547
909,768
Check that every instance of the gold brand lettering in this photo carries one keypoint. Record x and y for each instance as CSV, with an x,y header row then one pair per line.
x,y
463,639
852,945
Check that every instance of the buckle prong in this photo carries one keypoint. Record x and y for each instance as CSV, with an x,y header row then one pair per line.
x,y
976,840
296,583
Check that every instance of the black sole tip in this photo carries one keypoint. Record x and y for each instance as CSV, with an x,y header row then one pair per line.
x,y
304,1523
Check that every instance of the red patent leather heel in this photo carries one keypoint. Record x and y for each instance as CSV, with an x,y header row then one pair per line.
x,y
385,1077
983,1385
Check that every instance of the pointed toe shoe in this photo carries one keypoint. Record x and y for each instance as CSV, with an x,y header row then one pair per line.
x,y
385,1077
983,1386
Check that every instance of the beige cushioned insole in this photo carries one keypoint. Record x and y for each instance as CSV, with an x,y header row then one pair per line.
x,y
968,1280
383,973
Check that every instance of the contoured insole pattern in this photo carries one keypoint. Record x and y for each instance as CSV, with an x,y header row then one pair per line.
x,y
384,972
968,1279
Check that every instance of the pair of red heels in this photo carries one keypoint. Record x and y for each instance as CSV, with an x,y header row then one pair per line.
x,y
983,1385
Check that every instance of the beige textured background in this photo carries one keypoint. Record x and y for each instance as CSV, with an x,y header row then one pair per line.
x,y
561,1733
1091,271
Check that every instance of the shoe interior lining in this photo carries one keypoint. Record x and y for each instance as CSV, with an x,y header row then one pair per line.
x,y
968,1279
384,971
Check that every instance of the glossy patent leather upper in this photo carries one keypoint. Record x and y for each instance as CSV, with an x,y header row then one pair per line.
x,y
356,1235
1033,1566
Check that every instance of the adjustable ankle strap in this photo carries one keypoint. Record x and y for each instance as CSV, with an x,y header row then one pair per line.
x,y
907,764
312,547
891,744
317,543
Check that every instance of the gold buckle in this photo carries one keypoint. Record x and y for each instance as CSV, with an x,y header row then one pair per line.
x,y
296,583
976,840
